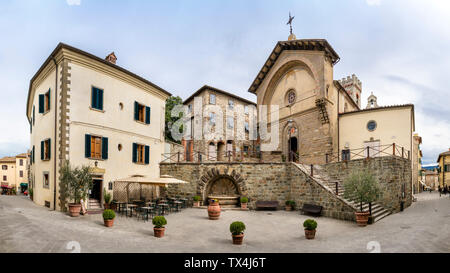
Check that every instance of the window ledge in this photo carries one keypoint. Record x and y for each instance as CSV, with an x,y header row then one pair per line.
x,y
46,159
97,159
141,122
46,112
97,110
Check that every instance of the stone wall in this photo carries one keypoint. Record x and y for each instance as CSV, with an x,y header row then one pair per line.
x,y
259,181
392,173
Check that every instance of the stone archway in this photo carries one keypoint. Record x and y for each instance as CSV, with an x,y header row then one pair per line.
x,y
227,187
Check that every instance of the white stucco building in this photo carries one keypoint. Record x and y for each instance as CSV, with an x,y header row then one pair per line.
x,y
90,111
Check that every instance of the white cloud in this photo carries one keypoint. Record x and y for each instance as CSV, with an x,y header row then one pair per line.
x,y
73,2
373,2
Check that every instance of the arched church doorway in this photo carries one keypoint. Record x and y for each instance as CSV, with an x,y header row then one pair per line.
x,y
293,148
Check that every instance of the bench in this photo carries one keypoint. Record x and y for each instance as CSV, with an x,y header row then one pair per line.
x,y
266,205
312,209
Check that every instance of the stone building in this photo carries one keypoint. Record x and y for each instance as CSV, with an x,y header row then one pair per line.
x,y
232,141
444,169
318,135
78,112
431,178
417,165
13,172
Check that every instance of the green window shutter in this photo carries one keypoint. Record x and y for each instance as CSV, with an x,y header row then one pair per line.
x,y
49,148
147,155
41,103
134,152
42,150
33,115
49,99
147,115
136,110
87,146
94,98
100,99
33,154
104,148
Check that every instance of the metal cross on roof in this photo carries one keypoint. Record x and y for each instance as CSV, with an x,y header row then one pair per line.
x,y
291,18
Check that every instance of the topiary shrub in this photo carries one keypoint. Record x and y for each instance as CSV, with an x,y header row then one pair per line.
x,y
310,224
159,221
109,214
290,203
244,199
237,228
197,198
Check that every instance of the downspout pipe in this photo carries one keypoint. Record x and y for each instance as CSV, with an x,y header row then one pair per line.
x,y
56,129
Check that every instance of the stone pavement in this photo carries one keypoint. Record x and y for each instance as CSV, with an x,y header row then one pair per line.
x,y
26,227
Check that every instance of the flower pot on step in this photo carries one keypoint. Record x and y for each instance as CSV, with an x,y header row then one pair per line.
x,y
362,218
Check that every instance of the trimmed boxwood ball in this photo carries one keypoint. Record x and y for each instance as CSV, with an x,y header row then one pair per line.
x,y
197,198
244,199
159,221
310,224
109,214
237,228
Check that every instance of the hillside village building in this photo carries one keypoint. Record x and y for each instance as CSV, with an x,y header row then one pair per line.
x,y
444,169
320,134
13,172
92,112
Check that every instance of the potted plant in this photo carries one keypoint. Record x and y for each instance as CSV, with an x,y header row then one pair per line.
x,y
196,201
108,217
290,205
107,198
237,232
214,209
310,228
244,202
361,187
77,182
159,222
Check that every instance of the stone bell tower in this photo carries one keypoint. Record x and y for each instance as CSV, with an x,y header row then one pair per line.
x,y
353,86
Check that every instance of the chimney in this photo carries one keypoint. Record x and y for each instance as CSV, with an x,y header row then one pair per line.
x,y
111,58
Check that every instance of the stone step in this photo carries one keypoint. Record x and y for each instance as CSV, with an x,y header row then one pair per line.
x,y
381,215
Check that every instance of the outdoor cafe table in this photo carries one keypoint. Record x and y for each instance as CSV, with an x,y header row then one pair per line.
x,y
132,207
178,204
163,207
147,211
184,200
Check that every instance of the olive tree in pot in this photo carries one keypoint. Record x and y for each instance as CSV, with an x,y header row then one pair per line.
x,y
107,198
77,182
310,228
237,232
159,222
290,205
361,187
108,217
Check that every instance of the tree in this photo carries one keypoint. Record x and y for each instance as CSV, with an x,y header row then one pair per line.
x,y
362,187
170,104
76,181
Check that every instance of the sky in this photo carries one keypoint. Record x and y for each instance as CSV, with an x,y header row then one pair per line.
x,y
397,48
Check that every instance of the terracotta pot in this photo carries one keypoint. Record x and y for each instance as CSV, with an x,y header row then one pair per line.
x,y
310,234
243,205
288,208
159,232
237,239
362,218
109,223
214,211
107,206
196,204
74,210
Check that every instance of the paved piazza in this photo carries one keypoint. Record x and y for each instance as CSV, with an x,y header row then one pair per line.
x,y
25,227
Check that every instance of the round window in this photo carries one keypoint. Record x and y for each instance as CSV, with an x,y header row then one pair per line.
x,y
291,97
371,125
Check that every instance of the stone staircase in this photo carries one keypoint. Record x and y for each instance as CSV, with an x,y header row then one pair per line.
x,y
94,207
378,212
